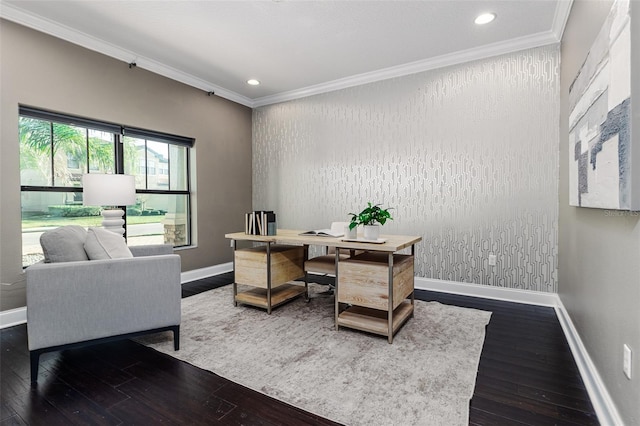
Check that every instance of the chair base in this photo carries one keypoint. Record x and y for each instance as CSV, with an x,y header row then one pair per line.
x,y
34,356
329,292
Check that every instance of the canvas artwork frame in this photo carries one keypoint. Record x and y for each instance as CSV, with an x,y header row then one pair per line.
x,y
601,158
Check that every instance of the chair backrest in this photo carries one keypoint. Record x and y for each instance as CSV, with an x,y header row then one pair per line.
x,y
338,226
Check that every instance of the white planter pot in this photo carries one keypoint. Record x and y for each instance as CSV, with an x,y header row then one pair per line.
x,y
350,233
371,232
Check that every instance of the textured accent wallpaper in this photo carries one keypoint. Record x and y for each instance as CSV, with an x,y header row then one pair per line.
x,y
466,155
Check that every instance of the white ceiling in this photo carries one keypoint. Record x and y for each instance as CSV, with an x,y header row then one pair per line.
x,y
295,48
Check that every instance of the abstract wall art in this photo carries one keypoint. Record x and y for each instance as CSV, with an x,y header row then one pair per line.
x,y
600,160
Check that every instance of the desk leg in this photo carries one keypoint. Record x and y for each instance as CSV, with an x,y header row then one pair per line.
x,y
413,274
306,276
390,312
335,295
269,278
235,285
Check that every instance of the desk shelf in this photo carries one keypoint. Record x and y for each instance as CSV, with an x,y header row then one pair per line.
x,y
279,295
374,320
268,269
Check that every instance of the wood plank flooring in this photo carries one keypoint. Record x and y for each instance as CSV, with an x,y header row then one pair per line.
x,y
526,376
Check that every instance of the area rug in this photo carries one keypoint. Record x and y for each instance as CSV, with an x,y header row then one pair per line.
x,y
426,377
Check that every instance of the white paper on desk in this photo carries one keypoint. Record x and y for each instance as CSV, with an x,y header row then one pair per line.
x,y
324,233
364,240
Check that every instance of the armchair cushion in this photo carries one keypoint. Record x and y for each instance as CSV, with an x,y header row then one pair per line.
x,y
64,244
102,244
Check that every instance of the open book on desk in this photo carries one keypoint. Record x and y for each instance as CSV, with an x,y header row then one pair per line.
x,y
324,233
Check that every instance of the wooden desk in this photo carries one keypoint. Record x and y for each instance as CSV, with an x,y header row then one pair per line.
x,y
365,311
288,236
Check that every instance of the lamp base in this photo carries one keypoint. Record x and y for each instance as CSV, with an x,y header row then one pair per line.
x,y
112,220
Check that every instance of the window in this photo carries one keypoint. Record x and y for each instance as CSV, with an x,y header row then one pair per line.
x,y
56,150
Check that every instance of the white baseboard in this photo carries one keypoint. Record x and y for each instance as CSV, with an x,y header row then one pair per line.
x,y
603,404
487,292
209,271
12,317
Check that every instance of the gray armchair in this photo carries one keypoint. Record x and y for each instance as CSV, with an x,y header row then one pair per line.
x,y
71,304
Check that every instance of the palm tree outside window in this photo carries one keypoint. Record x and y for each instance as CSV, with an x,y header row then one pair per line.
x,y
57,149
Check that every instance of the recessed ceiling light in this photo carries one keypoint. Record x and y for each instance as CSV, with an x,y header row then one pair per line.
x,y
485,18
253,82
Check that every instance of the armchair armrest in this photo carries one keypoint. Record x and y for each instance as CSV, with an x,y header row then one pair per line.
x,y
76,301
151,250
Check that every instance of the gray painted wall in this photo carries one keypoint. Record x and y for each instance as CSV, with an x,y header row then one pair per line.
x,y
599,268
43,71
466,155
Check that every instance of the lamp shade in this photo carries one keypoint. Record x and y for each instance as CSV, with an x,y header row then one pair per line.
x,y
108,190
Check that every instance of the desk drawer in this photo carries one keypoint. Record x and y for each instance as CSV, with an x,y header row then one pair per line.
x,y
363,280
251,265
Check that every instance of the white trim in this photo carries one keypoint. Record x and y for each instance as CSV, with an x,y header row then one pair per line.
x,y
193,81
495,49
209,271
538,298
12,317
602,403
47,26
563,8
600,398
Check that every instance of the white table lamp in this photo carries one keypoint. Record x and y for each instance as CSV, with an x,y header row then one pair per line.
x,y
109,190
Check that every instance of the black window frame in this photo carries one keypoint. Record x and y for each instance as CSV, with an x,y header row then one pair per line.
x,y
119,131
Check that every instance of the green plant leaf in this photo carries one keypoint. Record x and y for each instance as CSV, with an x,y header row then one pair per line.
x,y
370,215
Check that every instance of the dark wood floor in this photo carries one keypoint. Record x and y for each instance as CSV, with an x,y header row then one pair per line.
x,y
526,376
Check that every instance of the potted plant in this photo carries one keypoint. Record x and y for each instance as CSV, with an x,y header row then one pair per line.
x,y
369,218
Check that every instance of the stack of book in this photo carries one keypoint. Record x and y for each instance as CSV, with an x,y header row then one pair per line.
x,y
260,222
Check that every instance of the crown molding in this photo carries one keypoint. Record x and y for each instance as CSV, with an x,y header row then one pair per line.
x,y
63,32
490,50
561,15
190,80
563,9
38,23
